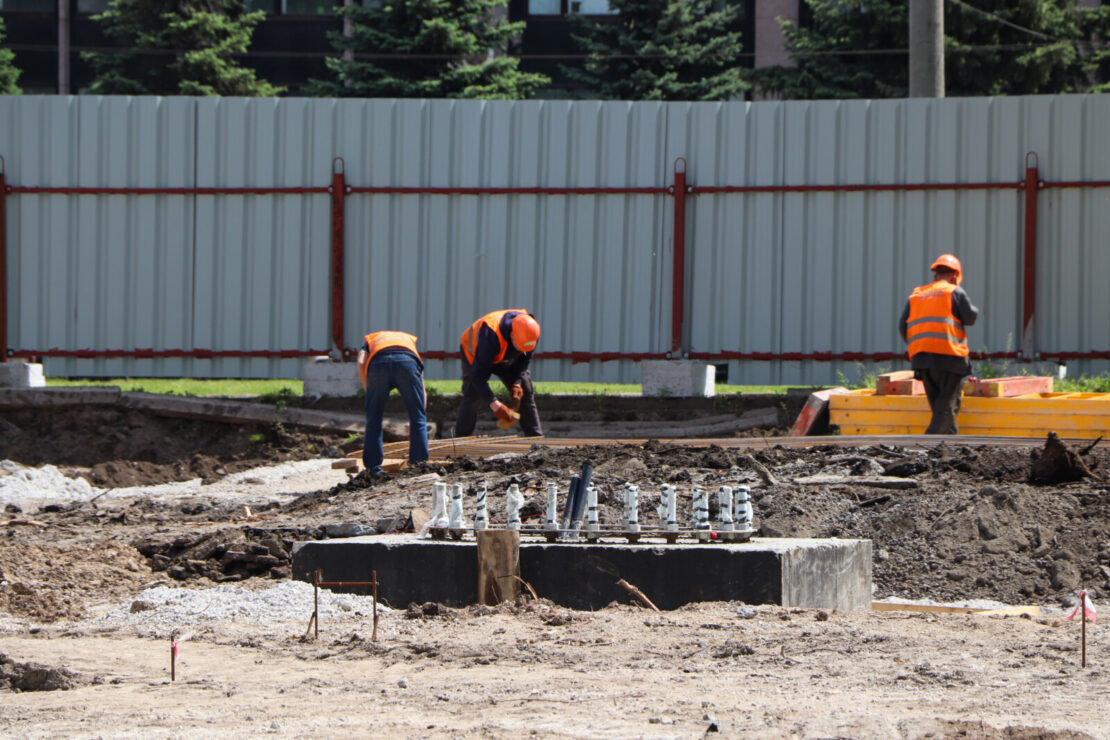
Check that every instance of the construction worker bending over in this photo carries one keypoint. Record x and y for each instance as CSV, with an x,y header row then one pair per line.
x,y
932,325
388,360
500,343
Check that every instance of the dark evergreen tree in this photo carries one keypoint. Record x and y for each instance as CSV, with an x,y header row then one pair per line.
x,y
662,50
858,49
177,47
9,75
428,49
1094,57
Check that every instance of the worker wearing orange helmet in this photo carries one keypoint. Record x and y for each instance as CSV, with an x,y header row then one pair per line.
x,y
933,326
500,343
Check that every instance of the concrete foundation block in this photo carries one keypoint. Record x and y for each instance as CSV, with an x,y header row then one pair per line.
x,y
817,573
678,378
21,375
323,377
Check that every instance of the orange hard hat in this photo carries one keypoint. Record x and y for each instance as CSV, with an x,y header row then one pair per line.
x,y
526,332
950,262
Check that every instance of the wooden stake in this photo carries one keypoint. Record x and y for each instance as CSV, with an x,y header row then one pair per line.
x,y
1083,639
374,580
498,566
316,602
637,593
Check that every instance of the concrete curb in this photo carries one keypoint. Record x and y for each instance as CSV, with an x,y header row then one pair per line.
x,y
182,406
22,398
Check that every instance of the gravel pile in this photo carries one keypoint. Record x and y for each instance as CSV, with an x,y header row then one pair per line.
x,y
162,611
21,483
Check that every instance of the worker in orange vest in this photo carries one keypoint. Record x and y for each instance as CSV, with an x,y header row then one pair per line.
x,y
500,343
388,360
933,326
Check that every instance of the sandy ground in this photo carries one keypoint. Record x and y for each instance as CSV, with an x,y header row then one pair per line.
x,y
548,672
74,561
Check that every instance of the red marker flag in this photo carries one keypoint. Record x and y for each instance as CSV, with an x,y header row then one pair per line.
x,y
1088,607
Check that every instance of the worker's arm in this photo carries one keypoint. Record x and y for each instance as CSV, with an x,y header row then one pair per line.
x,y
484,354
363,358
517,368
963,309
903,322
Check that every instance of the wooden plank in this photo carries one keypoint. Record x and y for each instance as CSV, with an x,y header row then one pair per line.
x,y
354,465
882,606
1009,387
874,481
899,383
498,566
394,464
1072,416
350,464
808,417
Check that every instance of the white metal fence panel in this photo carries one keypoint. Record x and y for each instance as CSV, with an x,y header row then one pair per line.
x,y
99,271
591,267
262,261
1072,138
770,272
810,272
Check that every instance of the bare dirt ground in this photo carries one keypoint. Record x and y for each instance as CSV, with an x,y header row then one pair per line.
x,y
973,528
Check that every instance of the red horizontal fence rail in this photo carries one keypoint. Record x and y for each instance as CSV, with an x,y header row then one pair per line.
x,y
33,190
859,188
141,352
3,265
338,190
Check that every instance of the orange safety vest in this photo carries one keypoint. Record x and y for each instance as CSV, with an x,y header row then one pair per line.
x,y
379,340
932,327
469,339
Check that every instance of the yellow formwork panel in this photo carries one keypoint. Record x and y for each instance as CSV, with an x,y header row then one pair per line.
x,y
1070,415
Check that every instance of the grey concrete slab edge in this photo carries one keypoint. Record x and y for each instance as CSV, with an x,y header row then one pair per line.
x,y
821,573
182,406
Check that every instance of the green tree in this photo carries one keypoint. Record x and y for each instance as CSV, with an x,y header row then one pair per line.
x,y
428,49
1094,59
177,47
858,49
9,74
662,50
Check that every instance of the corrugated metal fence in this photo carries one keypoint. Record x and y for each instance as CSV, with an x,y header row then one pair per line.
x,y
233,237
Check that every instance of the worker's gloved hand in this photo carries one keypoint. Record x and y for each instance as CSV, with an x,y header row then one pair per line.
x,y
506,417
516,392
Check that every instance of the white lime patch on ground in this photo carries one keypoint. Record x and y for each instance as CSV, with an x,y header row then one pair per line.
x,y
31,488
163,611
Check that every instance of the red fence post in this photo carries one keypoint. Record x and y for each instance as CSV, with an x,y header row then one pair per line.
x,y
338,192
1029,291
3,265
678,269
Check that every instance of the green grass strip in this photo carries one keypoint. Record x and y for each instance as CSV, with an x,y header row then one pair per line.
x,y
235,388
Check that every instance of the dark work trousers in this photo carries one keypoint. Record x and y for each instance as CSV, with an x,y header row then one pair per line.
x,y
467,416
943,389
398,370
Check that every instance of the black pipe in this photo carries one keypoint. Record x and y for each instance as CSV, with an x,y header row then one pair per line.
x,y
571,501
583,486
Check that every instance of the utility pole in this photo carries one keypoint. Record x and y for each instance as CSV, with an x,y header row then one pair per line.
x,y
63,47
926,48
348,32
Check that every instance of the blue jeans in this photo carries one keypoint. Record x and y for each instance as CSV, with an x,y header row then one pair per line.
x,y
387,371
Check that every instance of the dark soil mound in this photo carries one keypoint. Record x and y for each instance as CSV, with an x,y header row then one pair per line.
x,y
972,529
121,447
